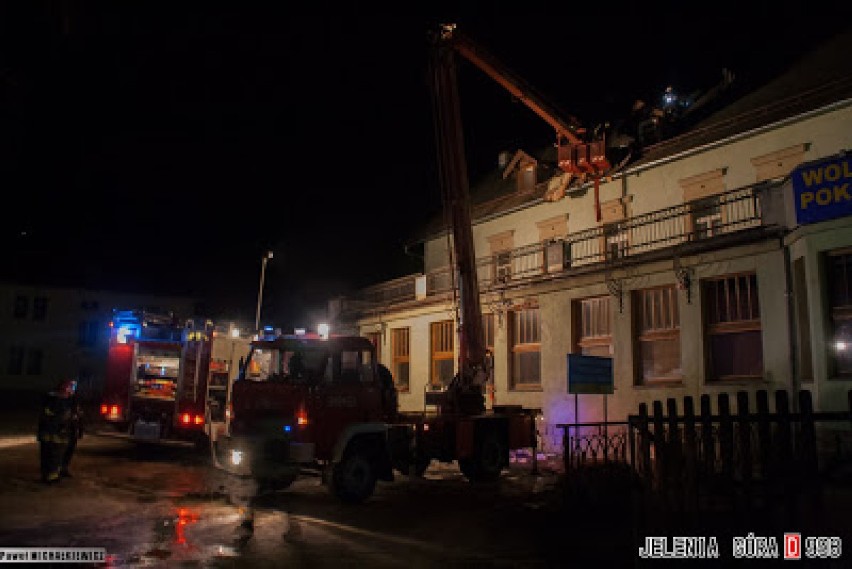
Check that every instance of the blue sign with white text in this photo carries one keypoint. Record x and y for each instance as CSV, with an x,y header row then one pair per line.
x,y
821,190
589,374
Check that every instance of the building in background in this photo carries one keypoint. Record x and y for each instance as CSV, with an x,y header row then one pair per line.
x,y
717,260
49,333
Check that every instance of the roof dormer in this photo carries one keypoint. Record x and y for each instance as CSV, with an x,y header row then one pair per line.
x,y
524,168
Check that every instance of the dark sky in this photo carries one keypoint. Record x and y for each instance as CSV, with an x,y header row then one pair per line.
x,y
163,147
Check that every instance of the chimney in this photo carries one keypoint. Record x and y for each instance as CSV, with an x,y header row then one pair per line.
x,y
503,158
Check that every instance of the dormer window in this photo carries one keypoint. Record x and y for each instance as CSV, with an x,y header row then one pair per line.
x,y
526,178
523,168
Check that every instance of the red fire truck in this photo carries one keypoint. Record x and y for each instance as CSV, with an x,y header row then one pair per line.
x,y
167,380
308,403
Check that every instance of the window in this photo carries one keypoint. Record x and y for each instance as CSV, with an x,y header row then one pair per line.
x,y
840,302
557,256
488,331
557,253
706,217
701,194
804,361
39,308
658,335
15,365
735,349
376,339
442,351
503,266
593,329
87,333
355,366
34,360
526,348
501,251
400,364
616,241
21,305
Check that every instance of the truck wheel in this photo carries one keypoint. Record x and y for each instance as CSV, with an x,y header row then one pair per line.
x,y
354,478
487,463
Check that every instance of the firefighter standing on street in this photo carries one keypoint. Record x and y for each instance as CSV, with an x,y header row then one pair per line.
x,y
59,427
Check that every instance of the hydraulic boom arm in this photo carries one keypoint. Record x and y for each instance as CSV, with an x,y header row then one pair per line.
x,y
465,394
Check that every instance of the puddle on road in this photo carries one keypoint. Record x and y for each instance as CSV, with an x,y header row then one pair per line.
x,y
183,536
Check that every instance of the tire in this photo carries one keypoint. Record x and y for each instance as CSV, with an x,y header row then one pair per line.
x,y
487,464
354,478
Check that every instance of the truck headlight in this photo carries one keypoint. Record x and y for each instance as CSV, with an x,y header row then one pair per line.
x,y
236,457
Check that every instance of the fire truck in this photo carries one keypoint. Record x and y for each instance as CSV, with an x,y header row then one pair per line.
x,y
167,380
328,404
310,403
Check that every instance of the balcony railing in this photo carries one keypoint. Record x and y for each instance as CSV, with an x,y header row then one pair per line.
x,y
695,223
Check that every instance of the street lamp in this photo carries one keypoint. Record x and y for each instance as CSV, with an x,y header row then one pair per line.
x,y
263,261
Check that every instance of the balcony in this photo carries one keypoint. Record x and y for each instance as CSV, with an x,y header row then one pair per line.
x,y
709,223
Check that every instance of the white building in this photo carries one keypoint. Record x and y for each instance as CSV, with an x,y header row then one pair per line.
x,y
695,277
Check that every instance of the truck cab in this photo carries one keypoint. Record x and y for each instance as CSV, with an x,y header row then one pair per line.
x,y
304,401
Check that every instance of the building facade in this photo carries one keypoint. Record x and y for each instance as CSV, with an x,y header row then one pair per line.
x,y
51,333
697,268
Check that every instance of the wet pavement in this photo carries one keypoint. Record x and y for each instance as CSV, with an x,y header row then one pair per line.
x,y
154,506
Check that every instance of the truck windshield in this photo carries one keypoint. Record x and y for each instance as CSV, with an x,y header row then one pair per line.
x,y
301,366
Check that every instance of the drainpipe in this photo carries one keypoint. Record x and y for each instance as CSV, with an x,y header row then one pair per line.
x,y
792,328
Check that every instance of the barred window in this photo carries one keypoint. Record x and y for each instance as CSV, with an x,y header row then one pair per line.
x,y
401,367
658,335
526,348
593,328
442,347
735,348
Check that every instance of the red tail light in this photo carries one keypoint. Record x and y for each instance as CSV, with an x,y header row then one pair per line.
x,y
302,419
185,418
114,412
104,409
198,420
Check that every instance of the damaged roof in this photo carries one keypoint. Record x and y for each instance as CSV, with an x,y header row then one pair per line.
x,y
819,78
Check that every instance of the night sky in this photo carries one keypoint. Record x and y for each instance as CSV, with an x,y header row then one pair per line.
x,y
163,147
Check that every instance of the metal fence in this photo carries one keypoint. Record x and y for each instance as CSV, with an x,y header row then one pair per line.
x,y
707,460
694,222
